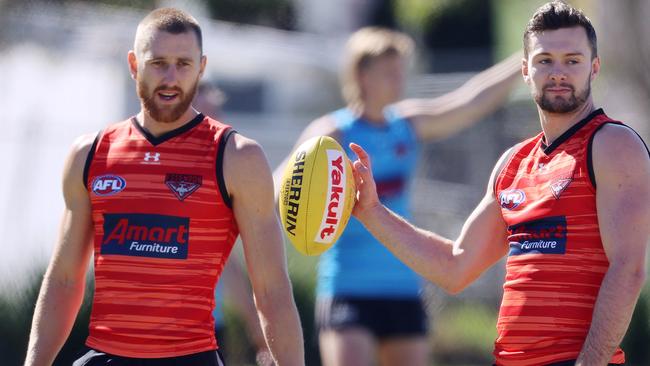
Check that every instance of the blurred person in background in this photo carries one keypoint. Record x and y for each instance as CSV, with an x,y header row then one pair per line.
x,y
233,289
209,100
569,207
368,303
159,199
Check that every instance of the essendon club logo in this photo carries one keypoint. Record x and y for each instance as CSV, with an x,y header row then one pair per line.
x,y
146,235
335,199
512,198
559,185
183,185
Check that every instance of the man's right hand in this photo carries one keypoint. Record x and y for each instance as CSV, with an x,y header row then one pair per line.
x,y
366,196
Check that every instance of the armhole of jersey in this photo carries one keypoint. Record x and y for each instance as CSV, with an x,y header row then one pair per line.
x,y
506,162
89,158
590,164
221,182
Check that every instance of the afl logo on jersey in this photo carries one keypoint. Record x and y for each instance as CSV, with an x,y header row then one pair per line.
x,y
106,185
512,198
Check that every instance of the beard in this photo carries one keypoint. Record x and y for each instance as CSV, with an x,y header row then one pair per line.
x,y
559,104
165,114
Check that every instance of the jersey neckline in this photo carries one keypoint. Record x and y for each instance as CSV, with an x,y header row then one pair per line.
x,y
570,132
389,119
153,140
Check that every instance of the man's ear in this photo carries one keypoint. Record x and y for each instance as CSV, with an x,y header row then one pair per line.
x,y
595,68
524,70
204,61
133,64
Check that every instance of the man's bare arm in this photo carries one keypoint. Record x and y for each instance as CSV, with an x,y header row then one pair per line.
x,y
437,118
249,181
238,295
63,286
449,264
622,171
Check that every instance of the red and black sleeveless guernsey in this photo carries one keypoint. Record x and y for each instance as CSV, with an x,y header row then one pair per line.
x,y
163,229
556,261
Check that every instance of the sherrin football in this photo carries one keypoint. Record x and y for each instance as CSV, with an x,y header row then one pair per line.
x,y
317,193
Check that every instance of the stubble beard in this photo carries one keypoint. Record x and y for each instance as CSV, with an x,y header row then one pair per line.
x,y
165,114
559,104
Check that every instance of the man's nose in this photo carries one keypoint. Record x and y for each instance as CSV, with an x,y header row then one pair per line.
x,y
557,74
171,75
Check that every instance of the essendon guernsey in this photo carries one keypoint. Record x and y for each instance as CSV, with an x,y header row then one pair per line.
x,y
163,229
556,261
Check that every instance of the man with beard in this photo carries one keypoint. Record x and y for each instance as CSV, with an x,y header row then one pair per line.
x,y
162,196
569,207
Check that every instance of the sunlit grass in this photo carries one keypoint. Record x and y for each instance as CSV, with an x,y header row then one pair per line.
x,y
464,333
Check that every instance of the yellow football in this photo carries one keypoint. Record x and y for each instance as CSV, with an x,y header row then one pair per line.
x,y
317,194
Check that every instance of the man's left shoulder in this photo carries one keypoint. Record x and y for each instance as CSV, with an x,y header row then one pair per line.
x,y
620,138
244,146
618,150
246,168
244,154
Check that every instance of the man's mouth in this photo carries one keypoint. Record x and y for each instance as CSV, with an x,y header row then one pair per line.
x,y
168,96
558,90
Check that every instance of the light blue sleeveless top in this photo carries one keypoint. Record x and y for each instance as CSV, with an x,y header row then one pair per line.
x,y
357,265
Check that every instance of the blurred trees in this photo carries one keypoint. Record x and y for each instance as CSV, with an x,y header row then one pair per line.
x,y
137,4
624,48
452,35
455,24
272,13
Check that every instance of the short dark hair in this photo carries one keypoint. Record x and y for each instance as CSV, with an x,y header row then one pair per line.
x,y
169,20
558,14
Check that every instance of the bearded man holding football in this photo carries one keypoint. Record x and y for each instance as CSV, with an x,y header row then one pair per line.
x,y
570,208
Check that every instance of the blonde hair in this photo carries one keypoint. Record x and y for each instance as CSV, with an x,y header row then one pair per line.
x,y
364,46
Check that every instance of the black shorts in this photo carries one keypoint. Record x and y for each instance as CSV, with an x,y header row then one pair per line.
x,y
573,362
220,335
91,357
384,318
